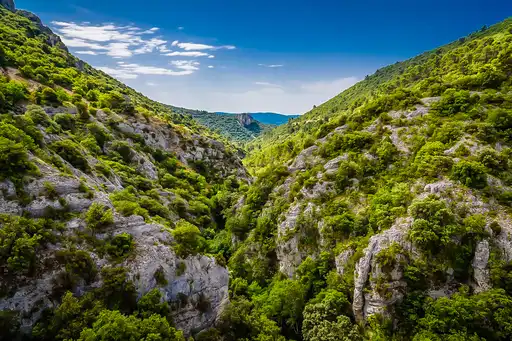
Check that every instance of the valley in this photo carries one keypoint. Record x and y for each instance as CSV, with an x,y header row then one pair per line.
x,y
384,213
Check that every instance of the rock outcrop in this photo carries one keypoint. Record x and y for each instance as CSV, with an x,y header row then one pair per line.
x,y
368,298
9,4
244,119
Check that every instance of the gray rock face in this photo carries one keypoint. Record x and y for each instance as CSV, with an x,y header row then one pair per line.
x,y
52,38
244,119
480,268
301,160
203,282
288,251
367,300
9,4
342,259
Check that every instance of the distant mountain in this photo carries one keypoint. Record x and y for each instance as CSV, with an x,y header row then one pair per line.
x,y
239,128
269,117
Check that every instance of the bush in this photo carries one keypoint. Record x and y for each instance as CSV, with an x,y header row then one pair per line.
x,y
72,153
470,173
65,121
37,115
21,239
99,216
121,245
14,161
188,239
453,102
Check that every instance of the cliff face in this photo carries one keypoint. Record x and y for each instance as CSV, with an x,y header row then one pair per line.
x,y
107,176
244,119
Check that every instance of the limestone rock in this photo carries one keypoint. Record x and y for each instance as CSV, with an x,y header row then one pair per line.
x,y
244,119
367,300
480,268
9,4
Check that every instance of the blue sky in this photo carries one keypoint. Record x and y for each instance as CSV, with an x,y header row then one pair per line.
x,y
246,56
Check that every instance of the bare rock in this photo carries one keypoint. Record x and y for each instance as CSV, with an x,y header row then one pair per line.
x,y
480,267
342,259
367,300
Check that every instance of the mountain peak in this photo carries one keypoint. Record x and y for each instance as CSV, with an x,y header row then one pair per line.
x,y
245,119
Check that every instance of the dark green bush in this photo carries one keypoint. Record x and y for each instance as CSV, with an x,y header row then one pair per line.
x,y
470,173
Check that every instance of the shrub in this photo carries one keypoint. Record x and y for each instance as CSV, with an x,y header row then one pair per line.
x,y
99,133
21,239
470,173
453,102
98,216
121,245
72,153
14,160
50,190
79,264
65,121
37,115
188,239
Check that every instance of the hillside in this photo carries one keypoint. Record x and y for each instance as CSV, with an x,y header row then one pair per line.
x,y
385,213
237,128
109,203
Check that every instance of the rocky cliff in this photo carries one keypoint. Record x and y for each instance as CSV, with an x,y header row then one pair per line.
x,y
97,181
244,119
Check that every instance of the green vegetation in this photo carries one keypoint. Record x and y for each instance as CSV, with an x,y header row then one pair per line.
x,y
410,169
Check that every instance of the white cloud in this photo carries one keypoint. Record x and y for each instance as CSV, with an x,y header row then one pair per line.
x,y
211,67
211,56
91,53
185,65
118,41
271,65
187,54
151,45
152,70
119,50
117,73
74,42
151,84
267,84
150,31
101,33
196,47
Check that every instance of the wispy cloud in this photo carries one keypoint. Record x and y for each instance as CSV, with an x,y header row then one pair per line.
x,y
185,65
91,53
132,70
116,41
267,84
199,47
117,73
271,65
187,54
211,67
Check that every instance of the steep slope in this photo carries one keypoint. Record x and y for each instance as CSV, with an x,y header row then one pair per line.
x,y
109,201
386,213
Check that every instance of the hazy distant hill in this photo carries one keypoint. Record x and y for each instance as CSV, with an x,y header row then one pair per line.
x,y
270,117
